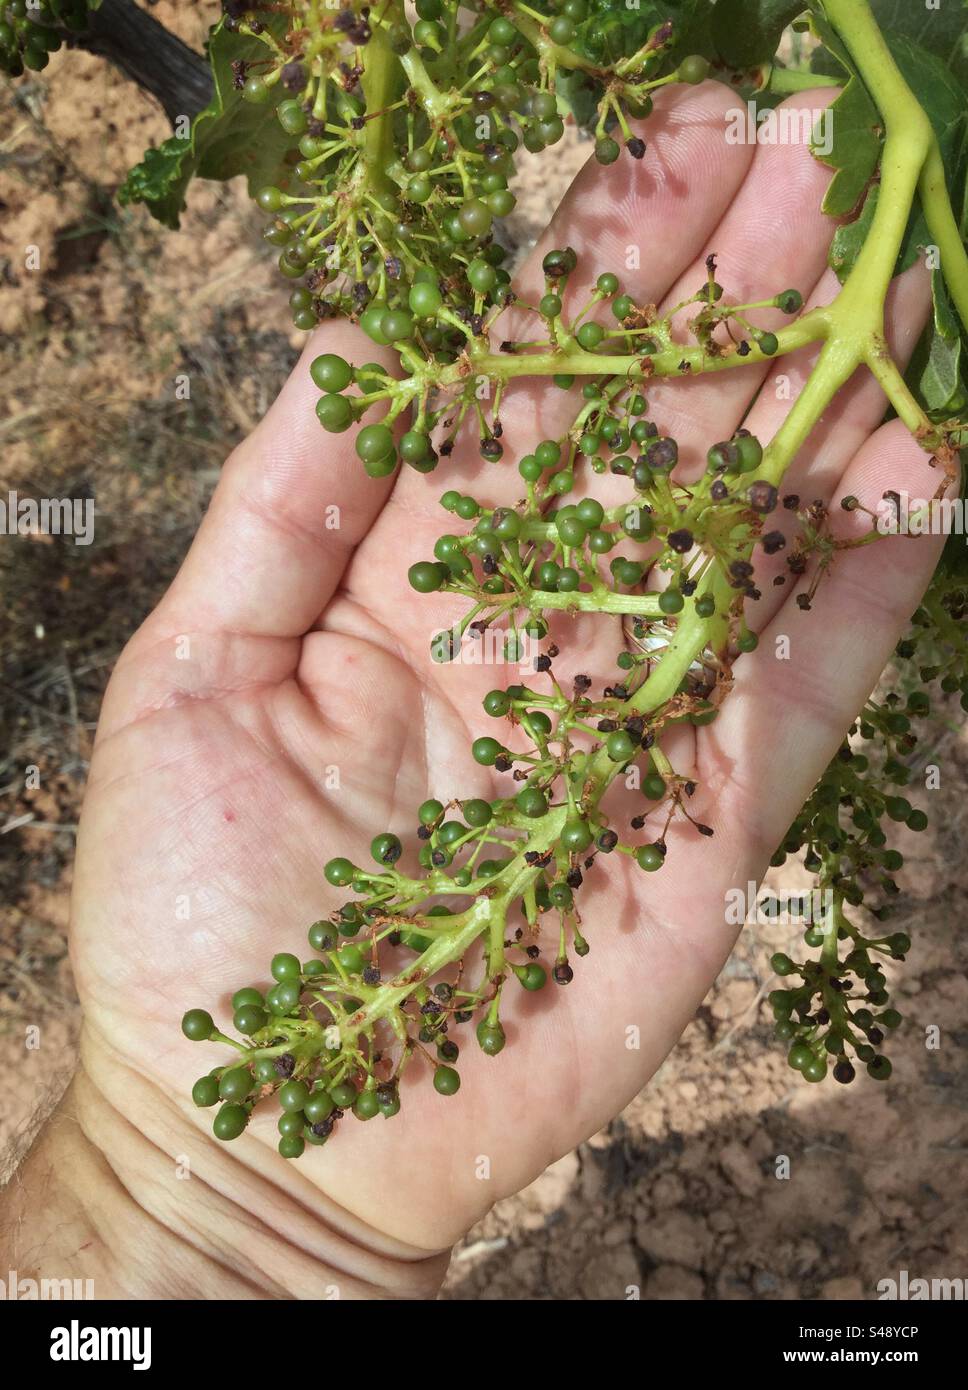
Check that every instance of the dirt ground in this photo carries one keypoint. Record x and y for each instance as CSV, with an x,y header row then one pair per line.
x,y
685,1194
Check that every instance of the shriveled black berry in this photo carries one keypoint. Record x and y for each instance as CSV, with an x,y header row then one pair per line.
x,y
762,497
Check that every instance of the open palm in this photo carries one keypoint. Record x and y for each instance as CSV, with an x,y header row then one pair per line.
x,y
281,707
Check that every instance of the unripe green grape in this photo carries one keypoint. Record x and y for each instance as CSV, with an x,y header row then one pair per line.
x,y
269,199
490,1038
284,966
501,202
414,446
256,91
590,335
497,703
292,117
198,1025
205,1092
815,1070
330,372
351,958
446,1081
750,453
591,511
247,996
532,976
371,322
486,751
576,836
235,1084
321,936
374,442
693,69
366,1106
396,325
619,746
475,218
425,300
477,813
649,857
230,1121
419,188
339,872
334,413
249,1019
531,802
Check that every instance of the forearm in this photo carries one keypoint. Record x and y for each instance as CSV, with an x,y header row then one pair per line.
x,y
98,1200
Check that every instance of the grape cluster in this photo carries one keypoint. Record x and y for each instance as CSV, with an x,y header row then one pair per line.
x,y
31,32
404,134
404,128
843,831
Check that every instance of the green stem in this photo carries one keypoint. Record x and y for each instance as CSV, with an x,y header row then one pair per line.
x,y
945,230
640,605
379,81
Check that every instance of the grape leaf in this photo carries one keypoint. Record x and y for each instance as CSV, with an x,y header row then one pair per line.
x,y
935,372
159,181
937,29
747,32
229,137
946,104
856,148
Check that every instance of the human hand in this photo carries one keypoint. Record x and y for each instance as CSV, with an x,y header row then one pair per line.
x,y
285,650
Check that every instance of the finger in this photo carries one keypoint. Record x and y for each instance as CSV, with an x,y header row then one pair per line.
x,y
785,719
292,504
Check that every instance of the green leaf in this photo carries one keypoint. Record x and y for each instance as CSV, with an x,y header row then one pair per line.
x,y
937,29
935,370
229,137
946,104
747,32
856,148
232,136
159,181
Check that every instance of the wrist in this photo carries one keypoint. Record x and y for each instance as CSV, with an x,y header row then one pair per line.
x,y
144,1207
